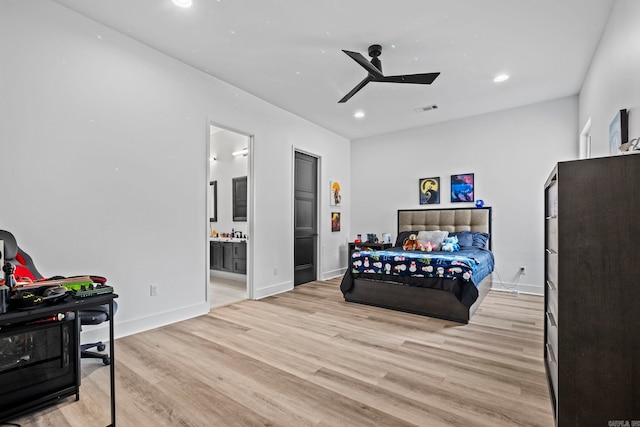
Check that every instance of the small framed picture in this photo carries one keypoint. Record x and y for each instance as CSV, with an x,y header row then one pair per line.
x,y
335,221
462,188
429,191
336,196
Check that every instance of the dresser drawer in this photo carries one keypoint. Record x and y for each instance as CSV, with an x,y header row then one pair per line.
x,y
552,366
552,234
552,266
552,332
551,298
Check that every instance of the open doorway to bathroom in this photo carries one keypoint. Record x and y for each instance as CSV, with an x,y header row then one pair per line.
x,y
228,210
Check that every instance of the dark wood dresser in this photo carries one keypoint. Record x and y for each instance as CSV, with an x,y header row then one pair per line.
x,y
592,291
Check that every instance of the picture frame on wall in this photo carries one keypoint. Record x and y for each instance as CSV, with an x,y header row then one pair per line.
x,y
618,131
336,195
429,189
462,188
335,221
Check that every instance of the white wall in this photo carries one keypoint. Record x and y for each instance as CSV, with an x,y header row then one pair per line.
x,y
105,168
613,80
510,152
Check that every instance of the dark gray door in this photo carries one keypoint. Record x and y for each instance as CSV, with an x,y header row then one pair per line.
x,y
305,207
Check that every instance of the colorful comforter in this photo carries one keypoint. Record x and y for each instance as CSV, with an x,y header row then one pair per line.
x,y
467,264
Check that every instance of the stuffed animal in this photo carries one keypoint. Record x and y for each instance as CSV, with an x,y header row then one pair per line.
x,y
411,243
427,247
450,244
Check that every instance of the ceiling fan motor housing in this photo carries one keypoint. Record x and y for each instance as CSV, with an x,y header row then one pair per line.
x,y
375,50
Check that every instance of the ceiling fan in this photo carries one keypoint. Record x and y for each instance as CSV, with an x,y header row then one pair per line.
x,y
375,72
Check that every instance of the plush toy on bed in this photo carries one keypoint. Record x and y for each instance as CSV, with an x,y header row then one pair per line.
x,y
450,244
427,247
411,243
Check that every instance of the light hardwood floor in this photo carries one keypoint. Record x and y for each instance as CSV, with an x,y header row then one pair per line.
x,y
224,291
307,358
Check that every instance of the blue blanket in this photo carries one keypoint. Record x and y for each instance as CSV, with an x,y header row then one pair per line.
x,y
469,264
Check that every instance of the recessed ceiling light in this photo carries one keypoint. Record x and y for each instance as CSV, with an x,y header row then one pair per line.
x,y
501,78
183,3
358,114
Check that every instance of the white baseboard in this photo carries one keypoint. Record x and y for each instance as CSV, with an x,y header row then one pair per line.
x,y
523,288
278,288
130,327
333,274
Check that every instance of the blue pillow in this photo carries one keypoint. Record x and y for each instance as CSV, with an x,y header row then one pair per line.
x,y
465,238
480,240
470,239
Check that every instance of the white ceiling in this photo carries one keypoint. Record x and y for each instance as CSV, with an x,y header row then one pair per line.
x,y
288,52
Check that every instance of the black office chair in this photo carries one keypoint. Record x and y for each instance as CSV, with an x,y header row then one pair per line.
x,y
95,317
25,267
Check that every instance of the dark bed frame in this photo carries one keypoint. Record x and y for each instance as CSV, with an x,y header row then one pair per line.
x,y
427,301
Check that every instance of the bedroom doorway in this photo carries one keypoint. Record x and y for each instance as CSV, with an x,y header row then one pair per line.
x,y
305,214
228,216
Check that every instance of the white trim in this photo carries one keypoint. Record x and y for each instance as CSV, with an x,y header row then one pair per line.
x,y
333,274
142,324
520,287
584,147
273,290
250,216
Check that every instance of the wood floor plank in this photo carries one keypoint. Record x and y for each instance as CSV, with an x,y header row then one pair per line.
x,y
308,358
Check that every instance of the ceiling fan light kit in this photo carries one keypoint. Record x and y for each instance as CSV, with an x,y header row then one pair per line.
x,y
374,68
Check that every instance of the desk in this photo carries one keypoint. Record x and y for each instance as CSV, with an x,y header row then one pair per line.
x,y
70,308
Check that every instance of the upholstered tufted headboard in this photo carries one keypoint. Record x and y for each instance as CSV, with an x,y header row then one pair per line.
x,y
453,219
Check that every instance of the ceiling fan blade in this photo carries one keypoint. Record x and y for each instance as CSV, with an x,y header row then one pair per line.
x,y
353,91
424,79
364,63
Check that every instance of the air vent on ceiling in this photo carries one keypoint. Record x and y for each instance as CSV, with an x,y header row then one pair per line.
x,y
427,108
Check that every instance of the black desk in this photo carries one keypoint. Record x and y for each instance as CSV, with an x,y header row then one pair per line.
x,y
72,305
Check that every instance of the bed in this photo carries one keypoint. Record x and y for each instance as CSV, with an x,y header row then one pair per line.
x,y
434,288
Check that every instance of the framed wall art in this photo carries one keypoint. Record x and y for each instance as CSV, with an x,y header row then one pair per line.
x,y
462,188
335,221
336,196
429,189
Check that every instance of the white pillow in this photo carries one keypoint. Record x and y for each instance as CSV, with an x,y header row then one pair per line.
x,y
436,238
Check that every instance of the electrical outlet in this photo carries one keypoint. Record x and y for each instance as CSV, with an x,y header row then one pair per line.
x,y
153,289
523,270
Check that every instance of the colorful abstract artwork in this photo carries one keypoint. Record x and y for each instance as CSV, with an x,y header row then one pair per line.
x,y
462,188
